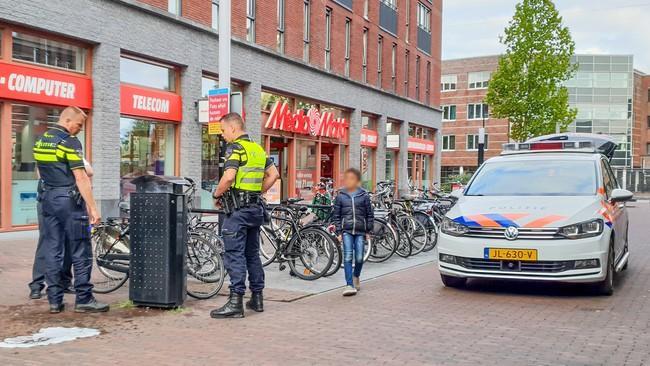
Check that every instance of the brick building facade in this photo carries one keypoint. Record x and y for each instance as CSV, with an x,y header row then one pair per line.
x,y
641,132
460,126
140,67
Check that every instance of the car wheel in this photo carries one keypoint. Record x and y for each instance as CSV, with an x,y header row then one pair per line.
x,y
606,287
451,281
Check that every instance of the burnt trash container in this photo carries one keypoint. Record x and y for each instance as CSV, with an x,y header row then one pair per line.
x,y
158,230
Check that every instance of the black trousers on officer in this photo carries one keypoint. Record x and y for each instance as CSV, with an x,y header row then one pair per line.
x,y
64,219
241,237
39,267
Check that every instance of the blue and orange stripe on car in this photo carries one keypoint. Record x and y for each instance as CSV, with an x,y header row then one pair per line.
x,y
506,220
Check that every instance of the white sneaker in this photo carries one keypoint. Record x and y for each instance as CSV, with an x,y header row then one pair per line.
x,y
349,291
357,283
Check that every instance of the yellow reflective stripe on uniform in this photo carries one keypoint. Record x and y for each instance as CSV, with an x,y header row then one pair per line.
x,y
45,151
251,180
66,149
252,169
72,157
60,154
45,158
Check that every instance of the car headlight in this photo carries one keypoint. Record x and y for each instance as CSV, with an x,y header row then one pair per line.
x,y
451,227
582,230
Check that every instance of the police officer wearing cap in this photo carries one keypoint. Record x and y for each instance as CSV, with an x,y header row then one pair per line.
x,y
67,209
248,173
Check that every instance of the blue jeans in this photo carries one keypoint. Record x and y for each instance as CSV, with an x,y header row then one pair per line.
x,y
352,248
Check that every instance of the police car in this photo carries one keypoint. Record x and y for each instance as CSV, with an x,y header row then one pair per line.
x,y
549,209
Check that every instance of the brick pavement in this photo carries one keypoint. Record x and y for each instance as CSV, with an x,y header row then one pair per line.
x,y
406,318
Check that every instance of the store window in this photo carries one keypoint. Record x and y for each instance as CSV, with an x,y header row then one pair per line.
x,y
306,173
27,124
147,74
47,52
146,148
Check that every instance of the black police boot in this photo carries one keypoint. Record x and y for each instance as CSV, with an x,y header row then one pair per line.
x,y
234,308
35,294
92,307
256,303
56,308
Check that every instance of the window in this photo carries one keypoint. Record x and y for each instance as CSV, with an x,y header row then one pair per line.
x,y
544,178
449,113
380,48
449,143
448,82
407,65
174,7
146,148
407,23
280,35
648,121
348,26
424,17
393,68
648,95
215,14
328,37
391,3
306,13
47,52
417,77
250,20
364,61
427,86
477,111
365,9
147,74
472,142
647,149
478,80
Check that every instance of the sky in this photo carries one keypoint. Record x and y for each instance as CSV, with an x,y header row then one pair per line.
x,y
472,27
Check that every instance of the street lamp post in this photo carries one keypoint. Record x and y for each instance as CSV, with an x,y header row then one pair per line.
x,y
481,141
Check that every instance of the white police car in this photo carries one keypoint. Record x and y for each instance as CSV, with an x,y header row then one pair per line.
x,y
545,210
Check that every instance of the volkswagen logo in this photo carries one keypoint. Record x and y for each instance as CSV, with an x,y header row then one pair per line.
x,y
511,233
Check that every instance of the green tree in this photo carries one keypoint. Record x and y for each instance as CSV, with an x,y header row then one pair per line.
x,y
527,87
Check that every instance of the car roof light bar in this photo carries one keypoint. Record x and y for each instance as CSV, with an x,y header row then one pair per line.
x,y
568,146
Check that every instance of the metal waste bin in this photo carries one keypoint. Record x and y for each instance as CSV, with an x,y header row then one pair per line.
x,y
158,230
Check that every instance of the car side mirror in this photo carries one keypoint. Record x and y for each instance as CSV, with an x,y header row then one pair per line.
x,y
621,195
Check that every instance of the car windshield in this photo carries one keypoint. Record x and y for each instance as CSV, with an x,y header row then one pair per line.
x,y
535,178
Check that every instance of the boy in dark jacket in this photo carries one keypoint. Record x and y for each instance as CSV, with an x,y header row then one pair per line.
x,y
353,218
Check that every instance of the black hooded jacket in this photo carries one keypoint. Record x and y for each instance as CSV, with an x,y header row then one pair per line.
x,y
353,213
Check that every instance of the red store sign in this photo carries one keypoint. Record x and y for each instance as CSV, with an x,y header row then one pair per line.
x,y
369,138
34,84
313,123
157,104
421,146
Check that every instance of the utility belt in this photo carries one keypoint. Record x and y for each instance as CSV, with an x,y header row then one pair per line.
x,y
235,199
71,190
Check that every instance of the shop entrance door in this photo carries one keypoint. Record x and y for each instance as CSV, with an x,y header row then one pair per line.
x,y
328,161
279,154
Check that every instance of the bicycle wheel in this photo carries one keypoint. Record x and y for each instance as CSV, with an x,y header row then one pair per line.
x,y
430,227
205,270
384,242
311,253
337,261
268,246
402,225
111,259
418,236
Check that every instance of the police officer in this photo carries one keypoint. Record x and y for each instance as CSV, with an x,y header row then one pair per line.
x,y
248,173
67,207
38,268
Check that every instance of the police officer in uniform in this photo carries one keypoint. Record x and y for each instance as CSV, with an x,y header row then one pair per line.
x,y
38,268
248,173
67,207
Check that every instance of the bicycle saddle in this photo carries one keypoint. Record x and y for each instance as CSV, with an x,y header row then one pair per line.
x,y
294,200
